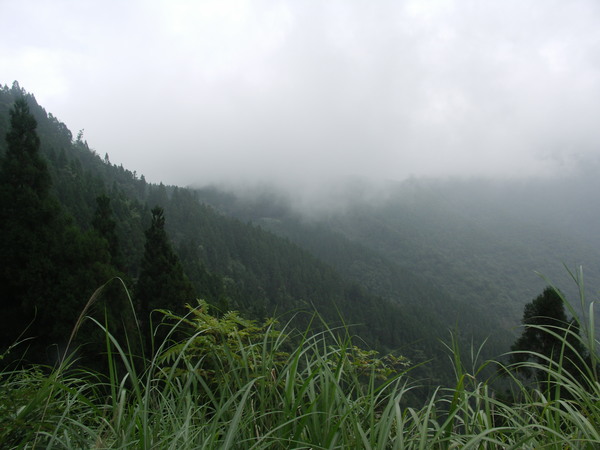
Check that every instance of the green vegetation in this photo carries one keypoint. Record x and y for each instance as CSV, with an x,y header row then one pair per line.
x,y
234,383
47,260
547,312
141,372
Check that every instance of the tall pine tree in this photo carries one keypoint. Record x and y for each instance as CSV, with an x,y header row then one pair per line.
x,y
30,220
162,284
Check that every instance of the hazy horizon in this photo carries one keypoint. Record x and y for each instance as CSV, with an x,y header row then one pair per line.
x,y
302,94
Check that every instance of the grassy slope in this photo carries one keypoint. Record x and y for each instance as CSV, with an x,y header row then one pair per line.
x,y
259,395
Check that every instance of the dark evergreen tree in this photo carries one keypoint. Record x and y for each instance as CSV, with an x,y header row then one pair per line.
x,y
30,220
104,223
546,332
23,167
162,284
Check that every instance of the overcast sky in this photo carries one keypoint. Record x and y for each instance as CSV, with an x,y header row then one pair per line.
x,y
192,92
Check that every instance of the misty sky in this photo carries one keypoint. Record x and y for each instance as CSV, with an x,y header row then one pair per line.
x,y
192,92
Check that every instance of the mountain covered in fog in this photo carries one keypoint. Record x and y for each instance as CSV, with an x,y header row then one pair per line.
x,y
489,245
401,264
230,263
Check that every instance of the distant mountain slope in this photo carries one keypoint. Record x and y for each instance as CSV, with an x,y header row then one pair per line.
x,y
480,241
337,238
465,252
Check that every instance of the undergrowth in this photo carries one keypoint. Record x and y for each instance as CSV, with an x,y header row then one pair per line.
x,y
234,383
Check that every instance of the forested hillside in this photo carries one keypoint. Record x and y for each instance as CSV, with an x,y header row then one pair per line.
x,y
485,242
110,225
426,257
470,253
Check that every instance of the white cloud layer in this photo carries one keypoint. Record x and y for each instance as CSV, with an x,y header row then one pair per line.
x,y
307,91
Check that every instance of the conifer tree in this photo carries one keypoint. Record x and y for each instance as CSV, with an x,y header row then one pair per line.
x,y
162,283
30,220
545,332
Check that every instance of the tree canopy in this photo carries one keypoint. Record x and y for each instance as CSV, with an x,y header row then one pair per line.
x,y
546,330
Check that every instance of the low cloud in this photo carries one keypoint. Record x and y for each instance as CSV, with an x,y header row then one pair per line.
x,y
303,93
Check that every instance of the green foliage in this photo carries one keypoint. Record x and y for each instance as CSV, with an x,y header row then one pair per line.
x,y
368,362
547,335
50,264
401,273
19,390
230,338
316,396
36,402
22,167
26,248
384,259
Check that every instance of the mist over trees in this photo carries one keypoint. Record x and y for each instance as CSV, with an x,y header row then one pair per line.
x,y
402,267
89,221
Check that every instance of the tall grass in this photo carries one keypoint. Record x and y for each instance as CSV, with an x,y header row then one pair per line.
x,y
264,395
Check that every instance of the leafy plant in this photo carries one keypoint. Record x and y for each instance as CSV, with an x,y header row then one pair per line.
x,y
220,344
